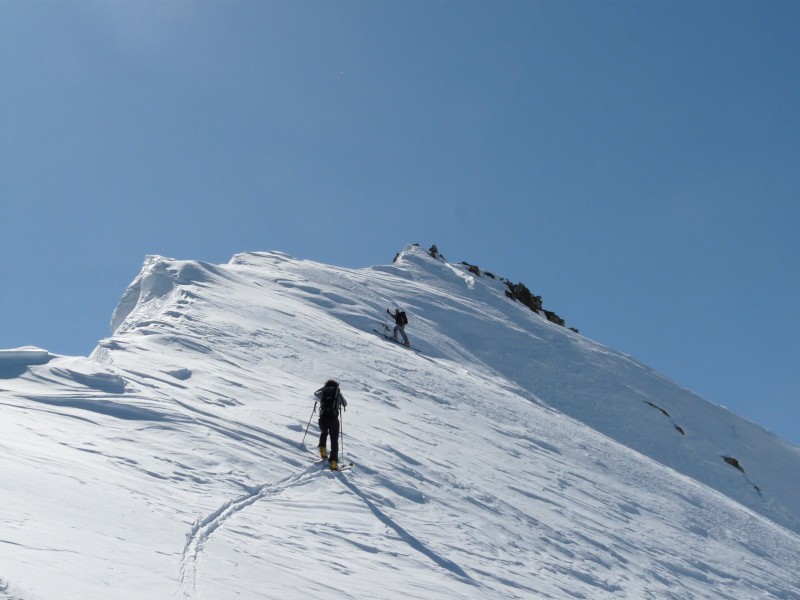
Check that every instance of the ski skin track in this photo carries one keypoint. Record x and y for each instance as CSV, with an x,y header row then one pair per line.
x,y
203,529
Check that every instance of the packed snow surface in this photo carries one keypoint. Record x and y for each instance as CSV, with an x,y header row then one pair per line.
x,y
503,457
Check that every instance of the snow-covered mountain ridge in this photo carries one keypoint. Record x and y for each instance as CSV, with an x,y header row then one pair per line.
x,y
512,458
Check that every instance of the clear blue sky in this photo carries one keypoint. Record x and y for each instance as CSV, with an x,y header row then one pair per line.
x,y
635,163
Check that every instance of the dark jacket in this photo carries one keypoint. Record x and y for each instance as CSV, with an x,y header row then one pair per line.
x,y
399,317
340,400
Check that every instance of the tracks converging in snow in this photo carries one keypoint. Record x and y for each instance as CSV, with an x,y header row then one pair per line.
x,y
204,528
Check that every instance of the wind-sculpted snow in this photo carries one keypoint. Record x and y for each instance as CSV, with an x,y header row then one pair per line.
x,y
159,279
511,459
15,362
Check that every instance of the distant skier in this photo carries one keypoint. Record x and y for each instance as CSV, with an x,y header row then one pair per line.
x,y
330,399
400,320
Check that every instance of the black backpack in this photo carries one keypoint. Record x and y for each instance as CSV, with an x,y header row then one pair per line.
x,y
403,318
327,403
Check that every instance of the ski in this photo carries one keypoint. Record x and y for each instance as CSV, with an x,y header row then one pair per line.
x,y
346,467
384,335
324,466
342,467
323,463
316,455
391,339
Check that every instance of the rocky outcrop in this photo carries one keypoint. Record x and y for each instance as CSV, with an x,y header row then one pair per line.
x,y
518,292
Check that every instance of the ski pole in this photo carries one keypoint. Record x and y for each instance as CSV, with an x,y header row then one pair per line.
x,y
341,433
313,410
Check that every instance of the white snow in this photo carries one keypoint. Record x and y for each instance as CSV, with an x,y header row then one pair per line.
x,y
511,458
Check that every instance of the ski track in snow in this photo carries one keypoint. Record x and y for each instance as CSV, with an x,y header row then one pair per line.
x,y
204,528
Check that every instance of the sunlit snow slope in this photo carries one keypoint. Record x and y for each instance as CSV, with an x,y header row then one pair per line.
x,y
510,458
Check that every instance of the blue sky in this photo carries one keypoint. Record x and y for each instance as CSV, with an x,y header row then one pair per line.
x,y
637,164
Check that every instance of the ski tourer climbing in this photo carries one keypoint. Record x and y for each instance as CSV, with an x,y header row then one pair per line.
x,y
400,320
330,400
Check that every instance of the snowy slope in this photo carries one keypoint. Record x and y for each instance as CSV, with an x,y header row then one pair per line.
x,y
511,458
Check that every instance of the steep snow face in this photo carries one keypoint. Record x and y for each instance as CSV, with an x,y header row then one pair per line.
x,y
510,458
609,391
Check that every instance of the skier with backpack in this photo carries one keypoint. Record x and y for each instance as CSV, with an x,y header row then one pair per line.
x,y
400,320
330,399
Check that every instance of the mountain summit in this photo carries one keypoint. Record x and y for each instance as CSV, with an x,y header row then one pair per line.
x,y
502,456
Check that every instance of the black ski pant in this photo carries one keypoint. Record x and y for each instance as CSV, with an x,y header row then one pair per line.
x,y
329,424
